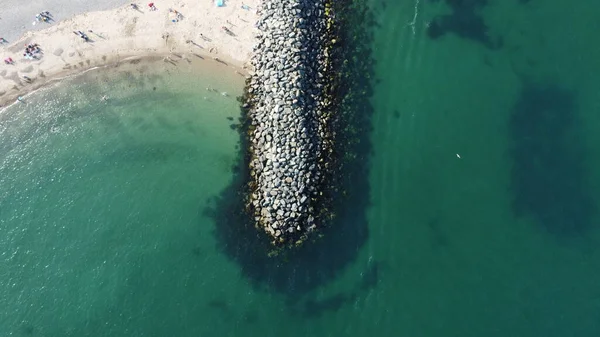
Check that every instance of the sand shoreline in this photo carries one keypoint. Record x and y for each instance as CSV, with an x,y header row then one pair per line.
x,y
125,35
216,66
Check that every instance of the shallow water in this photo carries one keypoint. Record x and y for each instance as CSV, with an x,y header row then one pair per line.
x,y
482,216
101,200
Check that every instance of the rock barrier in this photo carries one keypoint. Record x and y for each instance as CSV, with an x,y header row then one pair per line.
x,y
286,104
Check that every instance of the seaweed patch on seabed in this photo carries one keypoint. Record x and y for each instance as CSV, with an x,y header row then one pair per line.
x,y
465,21
548,175
295,272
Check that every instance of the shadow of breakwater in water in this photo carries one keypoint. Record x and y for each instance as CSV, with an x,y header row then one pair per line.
x,y
548,176
295,272
465,21
315,306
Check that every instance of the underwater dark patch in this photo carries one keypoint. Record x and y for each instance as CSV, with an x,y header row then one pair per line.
x,y
548,175
465,21
313,306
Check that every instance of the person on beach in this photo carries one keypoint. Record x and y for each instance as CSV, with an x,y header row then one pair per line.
x,y
98,35
27,78
3,40
204,37
229,32
134,6
82,35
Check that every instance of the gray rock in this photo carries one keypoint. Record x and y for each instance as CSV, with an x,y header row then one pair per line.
x,y
286,89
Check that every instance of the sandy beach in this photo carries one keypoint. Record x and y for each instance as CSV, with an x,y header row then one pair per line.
x,y
176,29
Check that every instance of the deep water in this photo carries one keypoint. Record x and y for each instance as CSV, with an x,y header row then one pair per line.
x,y
469,204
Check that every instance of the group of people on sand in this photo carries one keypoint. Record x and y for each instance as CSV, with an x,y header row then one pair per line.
x,y
31,51
44,16
177,17
137,8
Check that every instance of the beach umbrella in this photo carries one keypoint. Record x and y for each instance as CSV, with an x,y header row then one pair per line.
x,y
151,4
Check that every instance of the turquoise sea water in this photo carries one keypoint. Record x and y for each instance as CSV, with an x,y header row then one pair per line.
x,y
482,193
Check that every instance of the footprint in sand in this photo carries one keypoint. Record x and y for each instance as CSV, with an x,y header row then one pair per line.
x,y
13,76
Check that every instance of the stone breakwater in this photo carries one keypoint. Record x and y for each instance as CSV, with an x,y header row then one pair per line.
x,y
287,120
